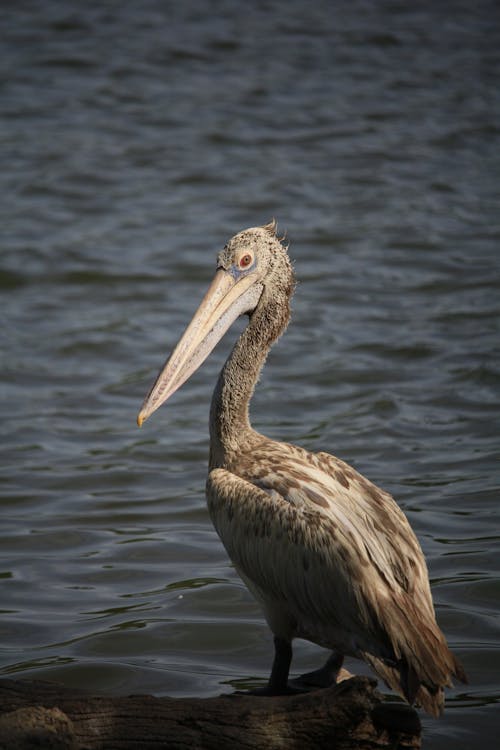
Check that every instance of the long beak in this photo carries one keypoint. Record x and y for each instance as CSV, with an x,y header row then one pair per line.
x,y
227,298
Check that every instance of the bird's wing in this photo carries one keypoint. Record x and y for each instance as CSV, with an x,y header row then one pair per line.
x,y
388,538
363,519
284,552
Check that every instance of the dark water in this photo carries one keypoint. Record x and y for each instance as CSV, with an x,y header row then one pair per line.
x,y
136,139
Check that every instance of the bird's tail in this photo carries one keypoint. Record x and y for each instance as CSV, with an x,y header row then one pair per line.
x,y
423,664
430,699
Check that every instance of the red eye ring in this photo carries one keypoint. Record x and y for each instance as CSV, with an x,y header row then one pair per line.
x,y
245,261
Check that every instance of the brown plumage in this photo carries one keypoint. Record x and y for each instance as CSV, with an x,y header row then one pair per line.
x,y
329,555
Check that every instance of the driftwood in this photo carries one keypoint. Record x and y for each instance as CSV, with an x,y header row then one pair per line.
x,y
350,715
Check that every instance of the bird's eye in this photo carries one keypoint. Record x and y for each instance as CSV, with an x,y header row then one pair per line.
x,y
245,260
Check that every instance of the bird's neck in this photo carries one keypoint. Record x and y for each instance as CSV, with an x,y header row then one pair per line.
x,y
230,428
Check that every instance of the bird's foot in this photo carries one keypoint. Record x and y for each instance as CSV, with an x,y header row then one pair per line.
x,y
324,677
319,679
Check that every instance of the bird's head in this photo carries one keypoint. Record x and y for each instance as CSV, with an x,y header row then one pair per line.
x,y
252,266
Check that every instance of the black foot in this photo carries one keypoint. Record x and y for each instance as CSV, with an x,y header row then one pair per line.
x,y
319,678
305,683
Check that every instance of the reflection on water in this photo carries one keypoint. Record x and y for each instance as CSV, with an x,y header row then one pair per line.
x,y
137,141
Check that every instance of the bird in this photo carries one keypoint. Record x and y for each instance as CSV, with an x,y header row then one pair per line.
x,y
330,557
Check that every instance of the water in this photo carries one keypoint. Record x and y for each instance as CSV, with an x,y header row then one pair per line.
x,y
136,139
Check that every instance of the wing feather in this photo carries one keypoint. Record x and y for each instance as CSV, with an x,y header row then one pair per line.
x,y
295,559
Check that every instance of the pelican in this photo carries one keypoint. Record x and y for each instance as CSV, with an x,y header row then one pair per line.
x,y
330,557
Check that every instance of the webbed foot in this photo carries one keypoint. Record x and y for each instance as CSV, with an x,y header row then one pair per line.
x,y
324,677
319,679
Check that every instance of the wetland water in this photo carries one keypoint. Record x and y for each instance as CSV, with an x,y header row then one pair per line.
x,y
136,139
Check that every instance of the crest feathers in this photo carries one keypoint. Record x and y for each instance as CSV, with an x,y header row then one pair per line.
x,y
272,229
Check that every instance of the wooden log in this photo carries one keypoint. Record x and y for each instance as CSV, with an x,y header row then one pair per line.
x,y
351,715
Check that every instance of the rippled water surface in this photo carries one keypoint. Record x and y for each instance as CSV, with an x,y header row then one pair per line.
x,y
137,138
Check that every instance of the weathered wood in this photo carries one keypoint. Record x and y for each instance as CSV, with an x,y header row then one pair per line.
x,y
349,715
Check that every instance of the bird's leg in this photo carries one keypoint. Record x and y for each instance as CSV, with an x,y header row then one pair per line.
x,y
320,678
279,684
278,681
